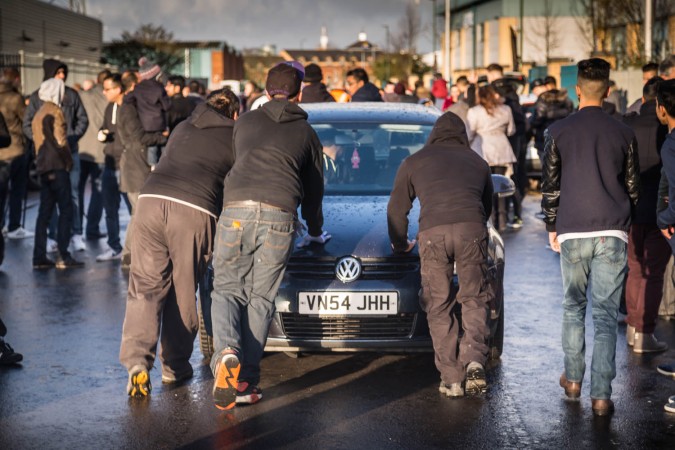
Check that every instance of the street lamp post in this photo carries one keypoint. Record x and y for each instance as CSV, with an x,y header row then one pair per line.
x,y
433,34
446,62
649,17
387,54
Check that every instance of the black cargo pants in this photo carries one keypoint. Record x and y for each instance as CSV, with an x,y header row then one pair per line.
x,y
440,247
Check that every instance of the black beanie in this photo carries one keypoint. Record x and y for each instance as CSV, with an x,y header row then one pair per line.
x,y
313,73
51,66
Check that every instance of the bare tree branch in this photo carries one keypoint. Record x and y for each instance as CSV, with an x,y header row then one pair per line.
x,y
410,27
545,35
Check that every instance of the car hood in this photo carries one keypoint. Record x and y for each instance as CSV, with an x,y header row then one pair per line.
x,y
359,228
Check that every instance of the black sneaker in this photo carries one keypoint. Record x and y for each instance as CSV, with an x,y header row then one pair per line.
x,y
475,378
43,263
7,354
248,394
68,263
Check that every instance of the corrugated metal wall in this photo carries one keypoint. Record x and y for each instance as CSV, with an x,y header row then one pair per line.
x,y
35,27
41,31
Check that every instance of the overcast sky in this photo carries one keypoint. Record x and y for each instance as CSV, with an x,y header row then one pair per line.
x,y
254,23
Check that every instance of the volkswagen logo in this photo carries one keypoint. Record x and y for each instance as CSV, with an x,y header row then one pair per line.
x,y
348,269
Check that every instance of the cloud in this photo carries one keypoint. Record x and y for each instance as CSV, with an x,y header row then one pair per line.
x,y
253,23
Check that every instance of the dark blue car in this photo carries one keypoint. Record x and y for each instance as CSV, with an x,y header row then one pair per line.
x,y
353,293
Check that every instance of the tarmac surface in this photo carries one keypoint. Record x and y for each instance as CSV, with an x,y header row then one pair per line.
x,y
70,390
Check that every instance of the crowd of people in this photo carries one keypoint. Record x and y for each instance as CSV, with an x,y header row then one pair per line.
x,y
187,167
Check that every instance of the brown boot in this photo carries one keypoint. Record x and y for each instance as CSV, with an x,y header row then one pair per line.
x,y
572,388
602,407
647,343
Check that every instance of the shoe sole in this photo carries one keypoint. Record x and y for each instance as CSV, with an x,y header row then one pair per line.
x,y
248,399
140,385
225,385
670,407
665,372
43,267
475,382
74,266
642,350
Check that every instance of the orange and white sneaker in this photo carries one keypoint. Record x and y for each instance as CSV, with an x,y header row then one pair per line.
x,y
226,382
248,394
139,382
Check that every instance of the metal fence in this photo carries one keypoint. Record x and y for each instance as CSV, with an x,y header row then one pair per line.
x,y
32,74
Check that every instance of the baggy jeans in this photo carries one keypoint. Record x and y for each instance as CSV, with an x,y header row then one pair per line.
x,y
440,247
253,244
599,265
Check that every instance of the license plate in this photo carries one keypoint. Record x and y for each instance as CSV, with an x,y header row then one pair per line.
x,y
348,303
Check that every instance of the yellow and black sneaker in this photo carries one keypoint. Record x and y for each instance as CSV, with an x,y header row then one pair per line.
x,y
227,380
139,382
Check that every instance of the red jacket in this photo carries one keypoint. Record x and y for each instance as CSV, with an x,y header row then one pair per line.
x,y
440,88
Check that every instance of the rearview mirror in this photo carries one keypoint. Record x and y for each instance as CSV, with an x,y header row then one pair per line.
x,y
503,186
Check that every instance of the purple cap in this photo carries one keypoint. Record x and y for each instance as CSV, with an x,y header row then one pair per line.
x,y
285,79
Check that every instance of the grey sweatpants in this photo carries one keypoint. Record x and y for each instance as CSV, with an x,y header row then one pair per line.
x,y
172,246
126,250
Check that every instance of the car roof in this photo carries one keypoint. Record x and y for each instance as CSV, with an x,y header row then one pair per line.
x,y
371,112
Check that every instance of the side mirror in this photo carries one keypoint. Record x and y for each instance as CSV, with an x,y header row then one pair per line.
x,y
503,186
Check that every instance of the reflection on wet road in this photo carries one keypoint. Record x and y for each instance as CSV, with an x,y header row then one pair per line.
x,y
70,391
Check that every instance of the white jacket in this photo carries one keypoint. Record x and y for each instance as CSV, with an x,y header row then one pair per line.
x,y
488,134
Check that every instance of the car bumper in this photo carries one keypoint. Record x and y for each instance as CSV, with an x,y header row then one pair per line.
x,y
406,331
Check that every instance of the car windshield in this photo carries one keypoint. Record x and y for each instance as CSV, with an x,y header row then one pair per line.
x,y
362,159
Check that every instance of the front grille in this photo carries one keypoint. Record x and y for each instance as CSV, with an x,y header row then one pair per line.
x,y
297,326
372,268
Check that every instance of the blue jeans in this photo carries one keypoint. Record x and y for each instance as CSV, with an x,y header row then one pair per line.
x,y
76,222
55,190
110,192
253,244
92,171
601,263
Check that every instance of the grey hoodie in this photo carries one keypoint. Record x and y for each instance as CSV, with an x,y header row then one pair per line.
x,y
52,90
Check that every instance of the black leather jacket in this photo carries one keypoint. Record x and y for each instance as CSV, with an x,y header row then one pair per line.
x,y
551,179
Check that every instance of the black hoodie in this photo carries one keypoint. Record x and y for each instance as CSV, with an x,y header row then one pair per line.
x,y
452,181
367,93
195,161
73,110
51,66
316,93
278,160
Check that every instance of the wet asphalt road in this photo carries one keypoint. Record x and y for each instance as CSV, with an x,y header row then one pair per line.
x,y
70,390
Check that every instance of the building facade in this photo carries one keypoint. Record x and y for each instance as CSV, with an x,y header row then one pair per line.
x,y
32,30
522,34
